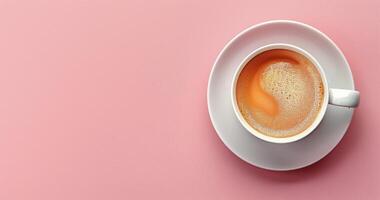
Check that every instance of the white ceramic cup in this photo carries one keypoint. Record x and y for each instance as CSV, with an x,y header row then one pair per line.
x,y
337,97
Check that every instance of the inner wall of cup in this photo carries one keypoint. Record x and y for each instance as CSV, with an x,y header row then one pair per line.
x,y
321,111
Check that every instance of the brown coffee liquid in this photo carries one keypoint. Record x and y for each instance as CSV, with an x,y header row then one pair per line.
x,y
279,93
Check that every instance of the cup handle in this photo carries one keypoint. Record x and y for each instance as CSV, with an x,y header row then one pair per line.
x,y
344,98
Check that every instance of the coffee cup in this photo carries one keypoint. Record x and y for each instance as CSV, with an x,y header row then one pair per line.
x,y
332,96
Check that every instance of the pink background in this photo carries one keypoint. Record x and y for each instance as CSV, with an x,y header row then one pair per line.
x,y
107,100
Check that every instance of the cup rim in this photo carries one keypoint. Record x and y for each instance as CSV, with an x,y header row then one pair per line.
x,y
321,112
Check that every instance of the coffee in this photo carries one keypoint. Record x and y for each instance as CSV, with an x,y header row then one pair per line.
x,y
279,93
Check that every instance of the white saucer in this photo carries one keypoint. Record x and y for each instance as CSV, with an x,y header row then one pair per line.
x,y
249,148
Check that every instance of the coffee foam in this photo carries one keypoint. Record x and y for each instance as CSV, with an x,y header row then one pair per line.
x,y
293,83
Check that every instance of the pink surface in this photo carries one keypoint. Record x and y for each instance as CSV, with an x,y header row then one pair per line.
x,y
107,100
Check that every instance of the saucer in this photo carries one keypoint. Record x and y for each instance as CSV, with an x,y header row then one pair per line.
x,y
278,157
